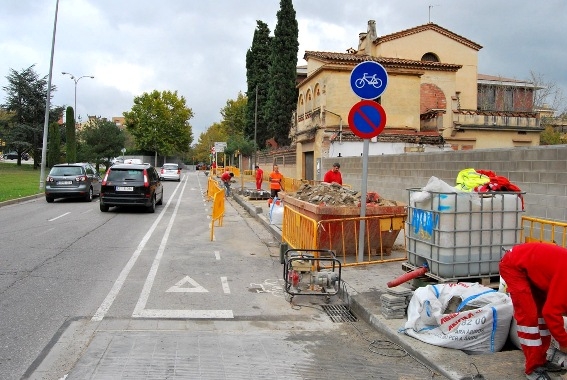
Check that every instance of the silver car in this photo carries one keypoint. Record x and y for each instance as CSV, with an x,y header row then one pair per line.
x,y
78,180
170,171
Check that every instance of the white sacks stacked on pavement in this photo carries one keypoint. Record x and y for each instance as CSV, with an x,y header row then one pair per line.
x,y
466,316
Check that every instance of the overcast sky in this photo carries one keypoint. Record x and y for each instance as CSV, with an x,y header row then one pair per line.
x,y
198,48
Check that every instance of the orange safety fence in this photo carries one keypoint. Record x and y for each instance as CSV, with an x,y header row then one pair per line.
x,y
218,211
342,236
542,230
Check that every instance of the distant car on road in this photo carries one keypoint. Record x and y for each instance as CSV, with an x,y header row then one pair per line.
x,y
170,171
79,180
14,156
131,185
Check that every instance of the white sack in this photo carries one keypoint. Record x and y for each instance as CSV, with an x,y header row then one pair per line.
x,y
482,328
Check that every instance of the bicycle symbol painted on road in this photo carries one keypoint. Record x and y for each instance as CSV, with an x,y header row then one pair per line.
x,y
368,79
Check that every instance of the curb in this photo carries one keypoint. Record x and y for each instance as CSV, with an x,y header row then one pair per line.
x,y
21,200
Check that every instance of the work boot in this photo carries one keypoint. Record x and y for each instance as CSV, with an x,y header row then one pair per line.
x,y
538,374
556,358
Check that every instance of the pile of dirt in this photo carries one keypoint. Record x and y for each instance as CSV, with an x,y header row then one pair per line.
x,y
333,194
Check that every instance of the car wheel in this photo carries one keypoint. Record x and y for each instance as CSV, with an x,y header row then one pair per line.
x,y
152,207
103,208
160,202
49,199
89,196
179,179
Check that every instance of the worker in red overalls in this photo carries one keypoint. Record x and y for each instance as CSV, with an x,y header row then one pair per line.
x,y
536,278
259,177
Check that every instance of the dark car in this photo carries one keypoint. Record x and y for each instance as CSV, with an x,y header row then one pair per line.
x,y
131,185
14,156
79,180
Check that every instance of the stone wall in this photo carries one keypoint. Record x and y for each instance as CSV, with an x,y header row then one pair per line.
x,y
541,172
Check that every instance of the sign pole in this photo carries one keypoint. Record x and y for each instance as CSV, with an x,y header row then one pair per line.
x,y
364,185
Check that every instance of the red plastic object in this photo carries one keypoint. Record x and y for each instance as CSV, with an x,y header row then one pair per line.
x,y
407,276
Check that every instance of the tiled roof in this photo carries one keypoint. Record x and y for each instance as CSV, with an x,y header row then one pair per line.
x,y
429,26
354,59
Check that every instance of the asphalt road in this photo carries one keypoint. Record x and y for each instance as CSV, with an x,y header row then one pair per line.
x,y
73,279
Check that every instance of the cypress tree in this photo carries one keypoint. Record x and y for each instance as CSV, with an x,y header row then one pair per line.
x,y
257,74
71,135
282,92
54,144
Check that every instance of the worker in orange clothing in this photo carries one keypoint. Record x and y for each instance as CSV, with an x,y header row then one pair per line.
x,y
259,177
276,182
535,278
334,175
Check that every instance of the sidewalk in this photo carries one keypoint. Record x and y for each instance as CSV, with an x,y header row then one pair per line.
x,y
365,285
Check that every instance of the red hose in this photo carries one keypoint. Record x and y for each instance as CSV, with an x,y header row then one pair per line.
x,y
407,276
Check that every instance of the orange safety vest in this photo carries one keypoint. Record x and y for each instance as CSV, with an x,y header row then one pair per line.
x,y
275,180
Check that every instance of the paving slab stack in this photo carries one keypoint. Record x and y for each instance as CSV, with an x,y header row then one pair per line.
x,y
394,302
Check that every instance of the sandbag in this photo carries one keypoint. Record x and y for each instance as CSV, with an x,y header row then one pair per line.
x,y
466,316
276,212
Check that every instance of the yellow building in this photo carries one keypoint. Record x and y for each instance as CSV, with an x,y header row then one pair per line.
x,y
431,101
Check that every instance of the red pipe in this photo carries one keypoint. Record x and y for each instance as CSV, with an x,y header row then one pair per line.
x,y
407,276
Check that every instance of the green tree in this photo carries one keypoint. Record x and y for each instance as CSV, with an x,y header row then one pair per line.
x,y
26,95
71,135
101,140
282,91
550,136
54,144
257,75
159,122
234,115
207,139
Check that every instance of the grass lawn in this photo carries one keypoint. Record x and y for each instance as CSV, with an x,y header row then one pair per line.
x,y
18,181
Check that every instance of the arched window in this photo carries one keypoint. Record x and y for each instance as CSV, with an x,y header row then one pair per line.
x,y
430,57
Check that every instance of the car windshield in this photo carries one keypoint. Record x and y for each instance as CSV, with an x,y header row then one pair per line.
x,y
170,167
66,171
125,175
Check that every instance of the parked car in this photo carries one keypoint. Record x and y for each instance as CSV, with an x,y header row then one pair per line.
x,y
170,171
131,185
133,161
79,180
14,156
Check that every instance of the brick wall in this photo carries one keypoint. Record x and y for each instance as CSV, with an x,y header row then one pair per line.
x,y
540,171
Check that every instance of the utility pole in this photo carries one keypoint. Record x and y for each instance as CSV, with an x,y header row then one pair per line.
x,y
256,128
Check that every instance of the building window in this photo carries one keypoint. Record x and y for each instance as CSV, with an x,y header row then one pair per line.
x,y
430,57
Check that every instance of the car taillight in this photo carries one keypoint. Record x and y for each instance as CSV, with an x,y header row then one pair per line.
x,y
105,178
146,183
50,179
81,178
178,171
162,171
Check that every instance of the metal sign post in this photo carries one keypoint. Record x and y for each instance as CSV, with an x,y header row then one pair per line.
x,y
366,119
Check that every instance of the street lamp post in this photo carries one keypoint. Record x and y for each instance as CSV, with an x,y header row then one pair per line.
x,y
76,80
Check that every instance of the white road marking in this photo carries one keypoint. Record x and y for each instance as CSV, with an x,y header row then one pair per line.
x,y
194,314
107,303
142,301
225,286
217,255
178,287
57,217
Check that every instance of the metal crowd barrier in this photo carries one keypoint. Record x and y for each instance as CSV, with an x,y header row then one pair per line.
x,y
542,230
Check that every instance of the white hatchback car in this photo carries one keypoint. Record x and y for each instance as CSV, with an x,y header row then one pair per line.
x,y
170,171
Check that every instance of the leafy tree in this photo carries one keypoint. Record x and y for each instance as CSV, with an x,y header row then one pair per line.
x,y
257,75
234,115
207,139
54,144
70,133
282,91
550,136
159,122
26,95
101,140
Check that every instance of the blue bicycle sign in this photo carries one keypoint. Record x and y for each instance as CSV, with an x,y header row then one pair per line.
x,y
368,80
